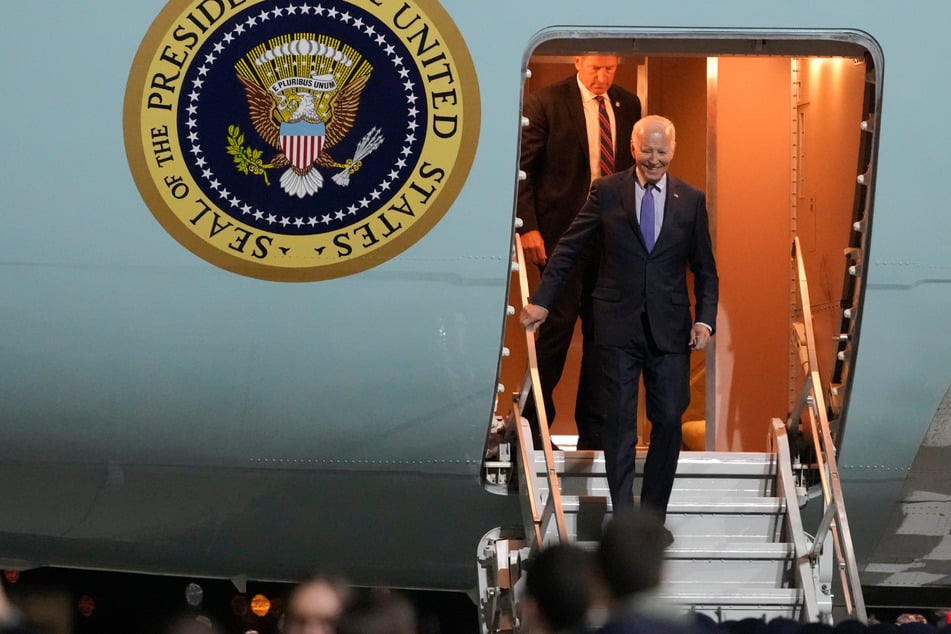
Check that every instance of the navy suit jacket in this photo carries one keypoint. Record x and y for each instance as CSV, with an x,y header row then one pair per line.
x,y
632,281
554,155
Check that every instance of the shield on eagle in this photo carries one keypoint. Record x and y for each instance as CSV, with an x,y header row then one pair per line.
x,y
302,142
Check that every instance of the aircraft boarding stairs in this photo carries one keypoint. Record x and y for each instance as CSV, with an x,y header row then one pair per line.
x,y
740,548
736,525
735,520
732,555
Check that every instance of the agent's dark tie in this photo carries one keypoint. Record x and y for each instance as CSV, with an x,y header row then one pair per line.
x,y
647,216
606,142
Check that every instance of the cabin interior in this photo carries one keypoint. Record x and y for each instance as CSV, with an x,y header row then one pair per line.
x,y
772,133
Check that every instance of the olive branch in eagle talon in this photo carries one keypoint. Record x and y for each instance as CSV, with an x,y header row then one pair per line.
x,y
247,160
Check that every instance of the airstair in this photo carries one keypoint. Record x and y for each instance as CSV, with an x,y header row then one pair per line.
x,y
740,547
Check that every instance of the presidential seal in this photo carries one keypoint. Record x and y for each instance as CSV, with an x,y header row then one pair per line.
x,y
299,141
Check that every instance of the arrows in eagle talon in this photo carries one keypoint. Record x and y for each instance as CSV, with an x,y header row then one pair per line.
x,y
370,142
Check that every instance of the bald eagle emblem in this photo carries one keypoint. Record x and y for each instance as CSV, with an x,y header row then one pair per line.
x,y
303,94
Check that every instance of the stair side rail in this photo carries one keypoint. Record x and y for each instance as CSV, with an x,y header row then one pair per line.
x,y
550,511
812,404
786,485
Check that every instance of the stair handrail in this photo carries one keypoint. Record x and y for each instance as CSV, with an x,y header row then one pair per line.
x,y
552,510
812,400
779,445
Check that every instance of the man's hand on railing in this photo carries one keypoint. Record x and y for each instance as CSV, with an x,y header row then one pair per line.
x,y
532,316
699,336
534,247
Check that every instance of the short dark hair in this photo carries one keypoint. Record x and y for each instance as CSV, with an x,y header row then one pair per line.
x,y
558,578
631,553
378,611
338,583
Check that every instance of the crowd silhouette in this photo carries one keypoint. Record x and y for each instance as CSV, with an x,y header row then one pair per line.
x,y
567,589
620,581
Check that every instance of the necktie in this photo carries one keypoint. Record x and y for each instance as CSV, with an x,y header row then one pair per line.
x,y
606,142
647,217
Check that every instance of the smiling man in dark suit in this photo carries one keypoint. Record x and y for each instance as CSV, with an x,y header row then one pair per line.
x,y
578,130
652,227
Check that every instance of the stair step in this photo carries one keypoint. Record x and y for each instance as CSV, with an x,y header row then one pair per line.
x,y
714,574
750,522
719,549
739,603
693,463
717,564
728,559
698,473
594,485
689,505
739,594
726,506
722,568
692,548
756,527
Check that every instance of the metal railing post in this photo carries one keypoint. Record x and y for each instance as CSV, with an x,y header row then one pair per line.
x,y
553,510
825,456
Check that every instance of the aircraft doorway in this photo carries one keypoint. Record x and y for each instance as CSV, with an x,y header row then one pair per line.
x,y
771,131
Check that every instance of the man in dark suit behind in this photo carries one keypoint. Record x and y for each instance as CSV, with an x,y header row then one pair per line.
x,y
561,156
641,305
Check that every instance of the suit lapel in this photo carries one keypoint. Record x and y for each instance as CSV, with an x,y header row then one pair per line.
x,y
576,114
671,210
629,202
618,122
